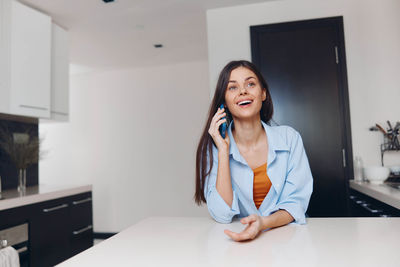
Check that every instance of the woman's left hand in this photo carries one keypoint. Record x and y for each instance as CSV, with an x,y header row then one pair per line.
x,y
254,227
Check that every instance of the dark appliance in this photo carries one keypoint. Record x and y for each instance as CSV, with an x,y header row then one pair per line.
x,y
17,237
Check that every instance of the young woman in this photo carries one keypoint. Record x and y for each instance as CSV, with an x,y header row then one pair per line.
x,y
258,172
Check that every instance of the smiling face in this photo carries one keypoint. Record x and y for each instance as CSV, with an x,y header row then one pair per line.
x,y
244,94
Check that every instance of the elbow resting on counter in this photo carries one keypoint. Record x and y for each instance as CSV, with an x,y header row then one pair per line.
x,y
219,210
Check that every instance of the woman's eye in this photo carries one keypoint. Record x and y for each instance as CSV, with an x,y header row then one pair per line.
x,y
232,87
251,84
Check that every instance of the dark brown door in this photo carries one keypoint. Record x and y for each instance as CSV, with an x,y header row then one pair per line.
x,y
304,65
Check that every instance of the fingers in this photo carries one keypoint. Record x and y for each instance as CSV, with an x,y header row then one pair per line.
x,y
219,111
250,232
219,114
218,119
220,122
244,235
214,127
249,219
233,235
213,130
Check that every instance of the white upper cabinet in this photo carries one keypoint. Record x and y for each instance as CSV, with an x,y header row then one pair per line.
x,y
59,107
25,60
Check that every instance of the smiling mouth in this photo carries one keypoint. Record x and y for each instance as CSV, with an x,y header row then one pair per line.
x,y
245,103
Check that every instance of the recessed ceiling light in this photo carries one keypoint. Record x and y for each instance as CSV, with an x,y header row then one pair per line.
x,y
158,45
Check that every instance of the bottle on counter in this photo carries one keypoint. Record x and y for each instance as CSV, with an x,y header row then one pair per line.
x,y
358,169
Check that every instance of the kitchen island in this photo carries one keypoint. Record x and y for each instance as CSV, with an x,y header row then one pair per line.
x,y
200,241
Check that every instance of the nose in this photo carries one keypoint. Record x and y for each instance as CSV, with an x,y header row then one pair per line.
x,y
243,90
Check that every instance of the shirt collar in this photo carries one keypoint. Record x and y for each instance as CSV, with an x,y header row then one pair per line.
x,y
275,143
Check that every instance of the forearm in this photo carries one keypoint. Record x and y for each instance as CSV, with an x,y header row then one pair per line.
x,y
224,184
279,218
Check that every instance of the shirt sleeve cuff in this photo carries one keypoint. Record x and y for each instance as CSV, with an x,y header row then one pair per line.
x,y
219,210
294,209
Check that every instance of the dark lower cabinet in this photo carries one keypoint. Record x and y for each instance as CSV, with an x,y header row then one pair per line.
x,y
81,240
49,233
81,231
362,205
58,229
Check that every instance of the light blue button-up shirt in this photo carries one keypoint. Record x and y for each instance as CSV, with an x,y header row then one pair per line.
x,y
287,168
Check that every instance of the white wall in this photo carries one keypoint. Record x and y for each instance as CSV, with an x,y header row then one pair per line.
x,y
372,40
133,135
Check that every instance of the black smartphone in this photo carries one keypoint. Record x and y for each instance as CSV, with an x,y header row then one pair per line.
x,y
224,126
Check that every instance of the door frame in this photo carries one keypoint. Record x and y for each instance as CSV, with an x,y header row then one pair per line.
x,y
337,24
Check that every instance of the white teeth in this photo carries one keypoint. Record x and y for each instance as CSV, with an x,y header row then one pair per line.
x,y
244,102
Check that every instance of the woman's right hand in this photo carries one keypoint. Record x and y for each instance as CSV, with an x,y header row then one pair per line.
x,y
221,143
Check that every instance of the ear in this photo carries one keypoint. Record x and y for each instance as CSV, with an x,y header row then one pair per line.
x,y
264,94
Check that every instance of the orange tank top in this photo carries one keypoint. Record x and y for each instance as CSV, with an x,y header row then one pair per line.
x,y
261,184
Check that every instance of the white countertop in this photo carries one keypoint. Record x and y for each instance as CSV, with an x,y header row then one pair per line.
x,y
381,192
12,198
200,241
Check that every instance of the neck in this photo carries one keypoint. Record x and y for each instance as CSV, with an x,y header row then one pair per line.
x,y
248,133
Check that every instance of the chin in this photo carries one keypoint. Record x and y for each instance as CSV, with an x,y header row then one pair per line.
x,y
247,117
246,113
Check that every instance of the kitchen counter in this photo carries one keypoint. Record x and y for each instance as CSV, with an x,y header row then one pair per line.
x,y
12,198
381,192
200,241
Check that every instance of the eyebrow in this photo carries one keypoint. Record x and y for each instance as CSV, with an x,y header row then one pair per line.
x,y
248,78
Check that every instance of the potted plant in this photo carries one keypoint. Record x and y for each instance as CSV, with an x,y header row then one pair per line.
x,y
23,149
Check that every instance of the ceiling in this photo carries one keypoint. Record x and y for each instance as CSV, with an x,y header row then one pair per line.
x,y
122,34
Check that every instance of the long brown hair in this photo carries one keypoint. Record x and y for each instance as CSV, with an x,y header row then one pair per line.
x,y
206,141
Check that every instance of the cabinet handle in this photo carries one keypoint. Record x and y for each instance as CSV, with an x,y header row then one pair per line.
x,y
3,244
23,249
344,157
82,230
55,208
82,201
33,107
365,206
